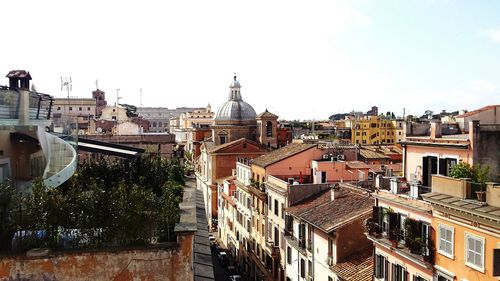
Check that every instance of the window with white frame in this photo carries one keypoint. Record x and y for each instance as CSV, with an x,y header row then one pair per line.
x,y
474,251
445,240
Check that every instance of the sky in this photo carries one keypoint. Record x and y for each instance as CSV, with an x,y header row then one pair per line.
x,y
298,59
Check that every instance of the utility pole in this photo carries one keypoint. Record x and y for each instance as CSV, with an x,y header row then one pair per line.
x,y
116,109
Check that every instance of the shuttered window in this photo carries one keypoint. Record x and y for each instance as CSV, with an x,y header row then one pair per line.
x,y
474,251
496,262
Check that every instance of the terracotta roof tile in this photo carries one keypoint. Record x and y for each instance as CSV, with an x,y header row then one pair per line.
x,y
267,114
281,153
474,112
358,267
228,144
326,214
357,165
370,154
18,74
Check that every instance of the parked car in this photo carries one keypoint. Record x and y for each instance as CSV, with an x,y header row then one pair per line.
x,y
235,277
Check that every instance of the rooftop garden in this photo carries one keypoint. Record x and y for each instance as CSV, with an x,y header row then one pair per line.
x,y
106,203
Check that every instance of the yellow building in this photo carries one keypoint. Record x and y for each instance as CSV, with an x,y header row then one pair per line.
x,y
372,130
467,231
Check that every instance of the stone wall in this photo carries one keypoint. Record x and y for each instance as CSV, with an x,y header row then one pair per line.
x,y
147,263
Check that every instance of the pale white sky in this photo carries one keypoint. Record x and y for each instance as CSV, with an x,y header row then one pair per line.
x,y
299,59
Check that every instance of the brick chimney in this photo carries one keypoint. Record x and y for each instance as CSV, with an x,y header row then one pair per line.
x,y
435,129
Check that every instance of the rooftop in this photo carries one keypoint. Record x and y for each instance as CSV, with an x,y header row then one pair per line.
x,y
474,112
218,148
357,165
417,205
267,114
358,267
281,153
328,215
469,206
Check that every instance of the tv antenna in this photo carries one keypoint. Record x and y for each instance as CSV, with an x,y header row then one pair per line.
x,y
117,97
66,84
140,98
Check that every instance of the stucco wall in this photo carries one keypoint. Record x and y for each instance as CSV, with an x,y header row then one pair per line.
x,y
132,264
416,153
457,264
487,149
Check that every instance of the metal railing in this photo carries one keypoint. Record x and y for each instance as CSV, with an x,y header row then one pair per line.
x,y
40,105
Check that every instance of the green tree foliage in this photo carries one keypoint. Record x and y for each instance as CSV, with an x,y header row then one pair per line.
x,y
106,203
477,173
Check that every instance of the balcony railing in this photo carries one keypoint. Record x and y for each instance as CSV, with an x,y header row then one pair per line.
x,y
416,246
40,105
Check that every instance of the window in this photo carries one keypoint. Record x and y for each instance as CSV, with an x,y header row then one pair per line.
x,y
418,278
88,108
79,109
289,255
441,277
70,108
309,268
276,237
474,251
445,240
399,273
58,108
302,268
276,207
222,139
282,211
496,262
269,203
381,267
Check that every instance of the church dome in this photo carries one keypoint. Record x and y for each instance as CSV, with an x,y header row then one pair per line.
x,y
235,108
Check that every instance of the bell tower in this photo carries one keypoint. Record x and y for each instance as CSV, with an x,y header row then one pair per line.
x,y
267,129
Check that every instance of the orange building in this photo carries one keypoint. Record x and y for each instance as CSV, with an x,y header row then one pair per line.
x,y
218,162
467,231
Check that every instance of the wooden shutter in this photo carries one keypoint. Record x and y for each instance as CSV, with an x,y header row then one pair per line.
x,y
376,214
393,225
425,171
443,168
386,271
496,262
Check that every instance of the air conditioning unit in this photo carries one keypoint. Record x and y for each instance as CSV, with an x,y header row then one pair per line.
x,y
290,180
325,156
329,261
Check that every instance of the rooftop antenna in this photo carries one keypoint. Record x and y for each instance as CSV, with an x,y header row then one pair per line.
x,y
117,97
68,85
97,84
140,98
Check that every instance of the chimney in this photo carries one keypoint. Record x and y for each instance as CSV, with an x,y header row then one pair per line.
x,y
335,192
435,129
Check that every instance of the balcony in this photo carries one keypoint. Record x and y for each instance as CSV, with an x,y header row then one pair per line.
x,y
400,186
415,248
15,105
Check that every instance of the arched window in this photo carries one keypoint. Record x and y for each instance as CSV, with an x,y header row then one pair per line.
x,y
269,129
